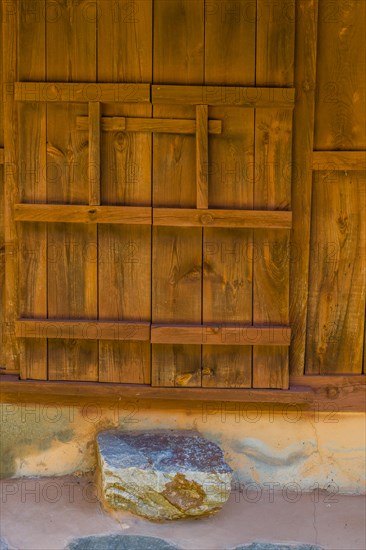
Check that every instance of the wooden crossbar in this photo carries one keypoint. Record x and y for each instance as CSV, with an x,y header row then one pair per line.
x,y
83,330
81,92
161,125
184,217
339,160
223,95
69,213
221,335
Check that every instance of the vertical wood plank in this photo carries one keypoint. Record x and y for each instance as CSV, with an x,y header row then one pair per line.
x,y
2,240
94,152
12,348
32,183
272,190
202,155
227,275
303,134
72,268
337,278
341,83
177,253
124,263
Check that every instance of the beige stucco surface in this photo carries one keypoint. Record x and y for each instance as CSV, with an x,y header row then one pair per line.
x,y
270,448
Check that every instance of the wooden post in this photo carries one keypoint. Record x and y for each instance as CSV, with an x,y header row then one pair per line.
x,y
94,153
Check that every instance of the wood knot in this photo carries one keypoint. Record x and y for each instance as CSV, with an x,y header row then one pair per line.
x,y
207,219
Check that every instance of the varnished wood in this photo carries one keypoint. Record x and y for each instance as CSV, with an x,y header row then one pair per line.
x,y
185,217
339,160
161,125
82,330
303,136
94,153
69,213
202,156
1,155
223,334
81,92
249,97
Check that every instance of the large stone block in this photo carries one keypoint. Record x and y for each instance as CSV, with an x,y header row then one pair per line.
x,y
162,474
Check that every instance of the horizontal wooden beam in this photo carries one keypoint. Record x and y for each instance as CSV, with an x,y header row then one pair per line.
x,y
210,401
339,160
1,155
185,217
223,95
162,125
83,330
239,335
70,213
80,92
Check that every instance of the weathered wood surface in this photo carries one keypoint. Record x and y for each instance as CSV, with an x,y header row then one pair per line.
x,y
186,217
82,91
223,95
124,267
223,334
227,251
94,152
81,330
69,213
2,240
162,125
32,185
341,83
202,156
72,272
177,252
272,190
337,276
303,135
12,348
339,160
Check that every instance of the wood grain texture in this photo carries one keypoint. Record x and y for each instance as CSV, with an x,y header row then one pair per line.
x,y
341,98
79,92
202,155
177,252
32,183
124,265
72,270
331,394
94,152
2,240
81,330
303,135
337,280
187,217
272,190
242,96
68,213
227,275
223,334
12,349
339,160
162,125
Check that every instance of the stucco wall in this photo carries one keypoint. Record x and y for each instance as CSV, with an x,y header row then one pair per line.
x,y
266,447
